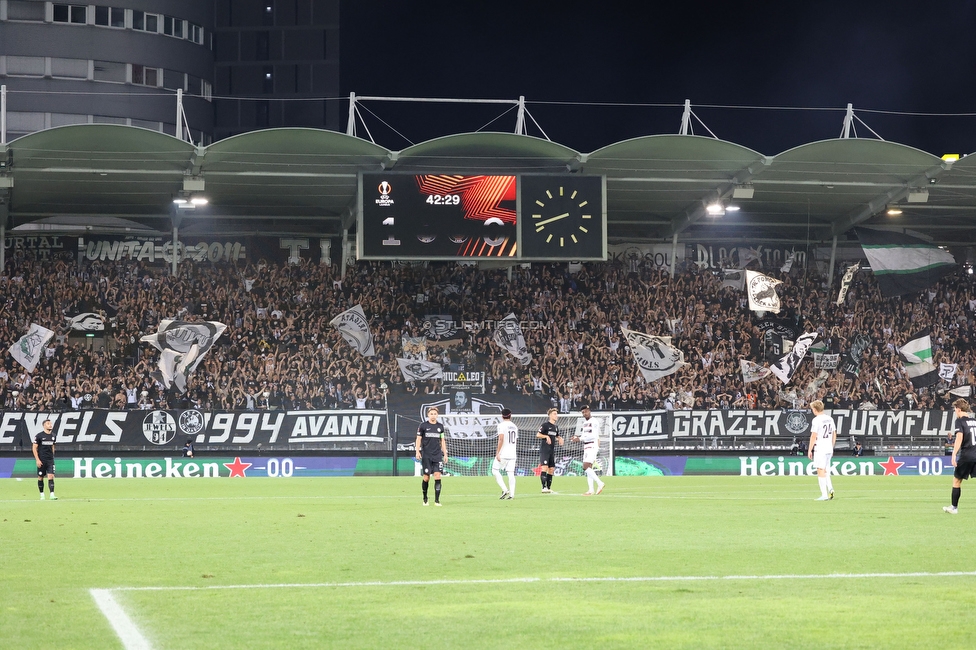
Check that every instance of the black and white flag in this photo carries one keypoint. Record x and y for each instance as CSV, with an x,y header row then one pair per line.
x,y
420,370
752,371
788,264
852,360
762,292
655,356
948,370
785,367
962,391
27,351
86,322
354,328
182,346
845,283
734,278
508,336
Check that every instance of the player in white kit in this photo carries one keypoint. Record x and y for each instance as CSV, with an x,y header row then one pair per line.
x,y
823,437
589,435
505,454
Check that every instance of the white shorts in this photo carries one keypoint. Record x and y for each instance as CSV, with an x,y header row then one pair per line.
x,y
822,461
590,453
506,465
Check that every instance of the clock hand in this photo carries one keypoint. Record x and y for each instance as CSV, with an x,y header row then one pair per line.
x,y
556,218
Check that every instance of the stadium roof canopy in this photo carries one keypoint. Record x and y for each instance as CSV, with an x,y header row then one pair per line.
x,y
110,178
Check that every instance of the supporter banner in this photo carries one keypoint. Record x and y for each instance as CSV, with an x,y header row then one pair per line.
x,y
632,256
40,247
799,466
785,327
251,429
762,292
718,256
760,423
159,249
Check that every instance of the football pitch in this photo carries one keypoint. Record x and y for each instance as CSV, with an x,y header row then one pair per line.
x,y
676,562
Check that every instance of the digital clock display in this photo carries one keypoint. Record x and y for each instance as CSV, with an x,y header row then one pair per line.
x,y
437,216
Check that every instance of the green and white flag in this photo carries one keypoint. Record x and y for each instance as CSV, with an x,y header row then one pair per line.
x,y
27,351
903,264
917,355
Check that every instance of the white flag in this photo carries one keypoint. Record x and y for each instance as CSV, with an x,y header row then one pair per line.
x,y
182,346
735,278
354,328
654,355
752,371
762,292
86,322
27,351
947,370
508,336
420,370
789,262
785,367
845,283
962,391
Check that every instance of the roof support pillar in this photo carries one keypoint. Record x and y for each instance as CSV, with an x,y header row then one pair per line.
x,y
345,254
351,120
674,253
3,114
685,120
520,120
3,244
845,132
830,268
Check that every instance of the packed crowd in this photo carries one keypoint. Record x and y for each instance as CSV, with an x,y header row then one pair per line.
x,y
279,350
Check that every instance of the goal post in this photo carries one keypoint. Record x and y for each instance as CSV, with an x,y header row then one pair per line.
x,y
472,440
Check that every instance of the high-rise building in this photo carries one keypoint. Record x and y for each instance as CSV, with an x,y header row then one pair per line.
x,y
118,63
278,59
270,62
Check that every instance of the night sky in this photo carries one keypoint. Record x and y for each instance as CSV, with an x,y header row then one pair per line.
x,y
566,57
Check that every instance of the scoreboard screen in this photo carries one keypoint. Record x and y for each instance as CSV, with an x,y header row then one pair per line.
x,y
544,217
438,216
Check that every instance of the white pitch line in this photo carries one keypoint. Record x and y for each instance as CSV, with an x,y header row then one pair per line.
x,y
497,581
128,631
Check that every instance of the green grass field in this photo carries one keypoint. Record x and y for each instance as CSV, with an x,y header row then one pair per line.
x,y
309,563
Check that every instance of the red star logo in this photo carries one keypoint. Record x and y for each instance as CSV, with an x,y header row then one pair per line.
x,y
891,467
237,468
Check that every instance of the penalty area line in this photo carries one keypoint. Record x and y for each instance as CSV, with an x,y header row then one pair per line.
x,y
501,581
127,631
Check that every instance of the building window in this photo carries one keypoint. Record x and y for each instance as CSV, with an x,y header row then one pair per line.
x,y
145,76
77,14
177,28
168,25
109,71
110,16
262,46
145,22
195,33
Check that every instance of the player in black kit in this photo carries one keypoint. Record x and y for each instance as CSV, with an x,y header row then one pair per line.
x,y
44,455
549,433
963,452
432,452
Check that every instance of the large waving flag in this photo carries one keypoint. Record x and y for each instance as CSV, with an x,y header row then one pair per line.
x,y
762,292
917,355
785,367
419,369
901,263
182,346
752,371
27,351
354,328
655,356
508,335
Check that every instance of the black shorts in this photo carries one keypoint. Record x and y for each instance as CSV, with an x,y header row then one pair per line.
x,y
964,469
547,455
432,465
47,467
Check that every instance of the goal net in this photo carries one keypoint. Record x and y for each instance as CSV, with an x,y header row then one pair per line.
x,y
473,439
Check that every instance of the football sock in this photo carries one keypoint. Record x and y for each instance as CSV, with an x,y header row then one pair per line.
x,y
437,490
543,476
425,484
823,485
511,483
50,485
499,479
549,481
956,492
40,485
590,478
